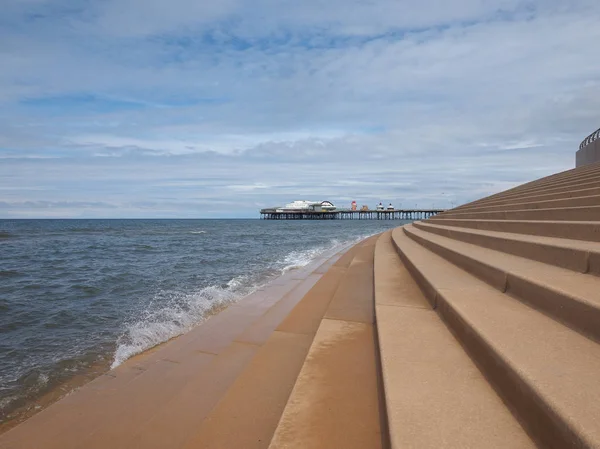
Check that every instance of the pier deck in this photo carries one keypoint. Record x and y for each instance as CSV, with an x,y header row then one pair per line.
x,y
346,214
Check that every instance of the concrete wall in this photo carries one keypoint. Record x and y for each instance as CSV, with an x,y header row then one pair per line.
x,y
588,154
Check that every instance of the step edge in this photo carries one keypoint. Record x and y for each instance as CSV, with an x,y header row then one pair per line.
x,y
566,302
496,353
573,258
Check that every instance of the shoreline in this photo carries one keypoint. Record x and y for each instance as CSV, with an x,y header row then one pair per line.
x,y
53,394
71,385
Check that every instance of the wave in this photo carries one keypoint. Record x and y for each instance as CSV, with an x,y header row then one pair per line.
x,y
298,259
178,313
197,232
173,313
33,383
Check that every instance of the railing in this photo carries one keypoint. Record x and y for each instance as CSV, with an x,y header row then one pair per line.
x,y
589,139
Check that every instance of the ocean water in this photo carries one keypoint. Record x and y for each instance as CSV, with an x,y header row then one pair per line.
x,y
81,293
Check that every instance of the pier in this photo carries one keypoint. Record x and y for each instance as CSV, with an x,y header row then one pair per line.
x,y
396,214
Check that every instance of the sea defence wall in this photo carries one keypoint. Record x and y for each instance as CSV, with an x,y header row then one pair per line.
x,y
514,277
477,328
589,150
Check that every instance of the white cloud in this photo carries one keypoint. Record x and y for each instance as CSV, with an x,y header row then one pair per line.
x,y
269,101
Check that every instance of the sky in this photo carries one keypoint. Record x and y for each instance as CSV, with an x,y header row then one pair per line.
x,y
198,109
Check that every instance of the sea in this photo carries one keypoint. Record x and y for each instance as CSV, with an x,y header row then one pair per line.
x,y
81,296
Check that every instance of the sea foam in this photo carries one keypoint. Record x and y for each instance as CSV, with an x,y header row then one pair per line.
x,y
171,314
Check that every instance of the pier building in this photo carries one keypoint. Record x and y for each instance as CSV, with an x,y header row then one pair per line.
x,y
306,206
349,214
326,210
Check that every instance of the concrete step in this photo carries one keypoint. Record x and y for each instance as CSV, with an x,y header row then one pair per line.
x,y
569,297
435,395
307,315
520,204
566,174
551,189
267,381
575,230
557,177
575,255
335,401
538,182
536,197
575,174
545,372
582,213
353,300
248,413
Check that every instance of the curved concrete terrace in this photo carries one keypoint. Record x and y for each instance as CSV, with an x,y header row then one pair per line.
x,y
589,150
478,328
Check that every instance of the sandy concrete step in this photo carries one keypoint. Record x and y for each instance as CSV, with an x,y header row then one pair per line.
x,y
557,177
521,191
569,297
571,184
576,255
335,401
581,173
566,174
538,182
436,397
538,197
394,285
353,300
248,413
575,230
547,373
583,213
560,178
518,204
535,197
